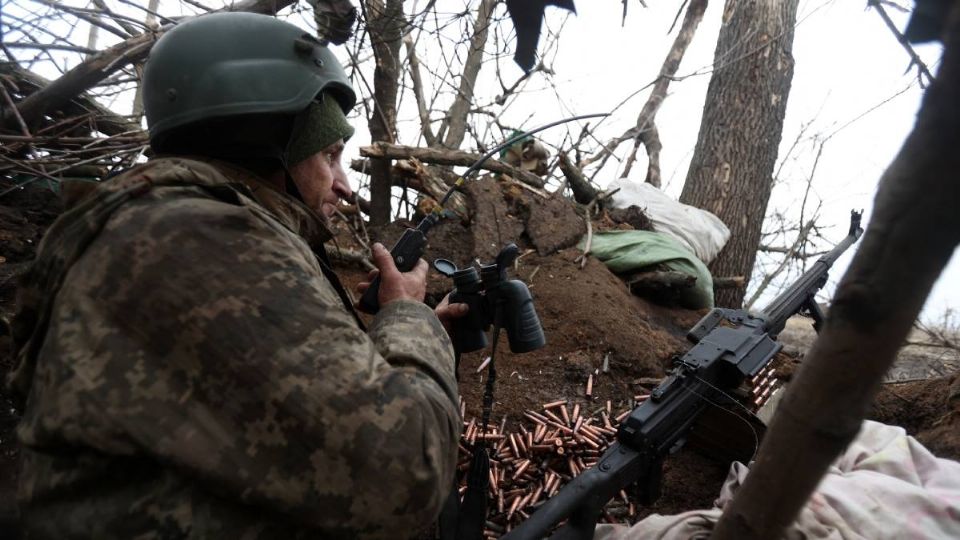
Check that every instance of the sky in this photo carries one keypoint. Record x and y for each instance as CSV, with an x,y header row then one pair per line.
x,y
851,83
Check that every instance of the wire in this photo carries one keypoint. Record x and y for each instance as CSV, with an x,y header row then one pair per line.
x,y
756,438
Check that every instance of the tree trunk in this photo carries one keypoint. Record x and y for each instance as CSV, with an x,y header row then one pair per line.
x,y
730,173
914,230
385,23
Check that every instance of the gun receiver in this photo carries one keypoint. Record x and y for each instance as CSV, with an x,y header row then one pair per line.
x,y
721,358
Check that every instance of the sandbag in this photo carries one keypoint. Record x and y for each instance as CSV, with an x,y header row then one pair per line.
x,y
636,251
700,231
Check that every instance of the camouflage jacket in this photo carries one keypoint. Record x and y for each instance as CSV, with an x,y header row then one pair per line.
x,y
188,371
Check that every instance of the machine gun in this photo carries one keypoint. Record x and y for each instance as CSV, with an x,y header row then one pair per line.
x,y
720,360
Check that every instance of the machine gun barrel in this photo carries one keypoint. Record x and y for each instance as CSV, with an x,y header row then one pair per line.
x,y
800,295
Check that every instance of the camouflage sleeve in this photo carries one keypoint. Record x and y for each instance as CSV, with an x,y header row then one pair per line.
x,y
221,349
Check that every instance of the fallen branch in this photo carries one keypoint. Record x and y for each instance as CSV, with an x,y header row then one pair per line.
x,y
104,120
411,174
583,192
440,156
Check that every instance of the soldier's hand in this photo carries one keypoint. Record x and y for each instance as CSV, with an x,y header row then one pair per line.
x,y
448,312
394,284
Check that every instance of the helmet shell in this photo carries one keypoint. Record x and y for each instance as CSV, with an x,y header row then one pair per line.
x,y
230,64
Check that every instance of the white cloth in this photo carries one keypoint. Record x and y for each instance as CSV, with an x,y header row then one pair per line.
x,y
700,231
885,486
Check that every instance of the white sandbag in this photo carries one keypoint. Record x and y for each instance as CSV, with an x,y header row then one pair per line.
x,y
697,229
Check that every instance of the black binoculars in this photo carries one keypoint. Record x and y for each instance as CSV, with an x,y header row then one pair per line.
x,y
492,298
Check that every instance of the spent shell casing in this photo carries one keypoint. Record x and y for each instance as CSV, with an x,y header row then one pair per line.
x,y
538,418
553,404
522,467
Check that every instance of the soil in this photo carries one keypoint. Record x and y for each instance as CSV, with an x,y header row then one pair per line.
x,y
24,217
593,325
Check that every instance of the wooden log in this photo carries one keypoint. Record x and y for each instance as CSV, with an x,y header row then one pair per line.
x,y
442,156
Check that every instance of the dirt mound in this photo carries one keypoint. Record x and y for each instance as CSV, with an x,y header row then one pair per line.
x,y
929,410
25,215
915,361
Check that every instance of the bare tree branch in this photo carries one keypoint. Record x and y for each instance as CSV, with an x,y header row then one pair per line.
x,y
104,120
914,58
801,238
101,65
129,28
414,67
645,120
453,128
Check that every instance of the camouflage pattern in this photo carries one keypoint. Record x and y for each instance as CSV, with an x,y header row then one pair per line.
x,y
189,372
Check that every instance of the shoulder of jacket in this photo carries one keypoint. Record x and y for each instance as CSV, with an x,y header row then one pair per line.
x,y
180,172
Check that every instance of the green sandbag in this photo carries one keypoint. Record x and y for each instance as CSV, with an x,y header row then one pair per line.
x,y
636,251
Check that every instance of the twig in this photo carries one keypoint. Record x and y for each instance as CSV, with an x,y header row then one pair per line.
x,y
414,69
645,120
356,235
101,65
914,58
530,278
729,282
582,259
15,112
454,125
801,238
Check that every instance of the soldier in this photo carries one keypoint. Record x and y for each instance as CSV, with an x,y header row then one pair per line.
x,y
190,366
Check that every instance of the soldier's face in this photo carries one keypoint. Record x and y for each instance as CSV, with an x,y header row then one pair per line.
x,y
321,179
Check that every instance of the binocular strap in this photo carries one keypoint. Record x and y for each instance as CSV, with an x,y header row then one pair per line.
x,y
465,521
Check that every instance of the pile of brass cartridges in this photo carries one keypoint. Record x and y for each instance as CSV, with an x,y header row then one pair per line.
x,y
530,465
556,443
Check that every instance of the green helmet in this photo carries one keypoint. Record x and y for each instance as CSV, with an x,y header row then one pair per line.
x,y
233,64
